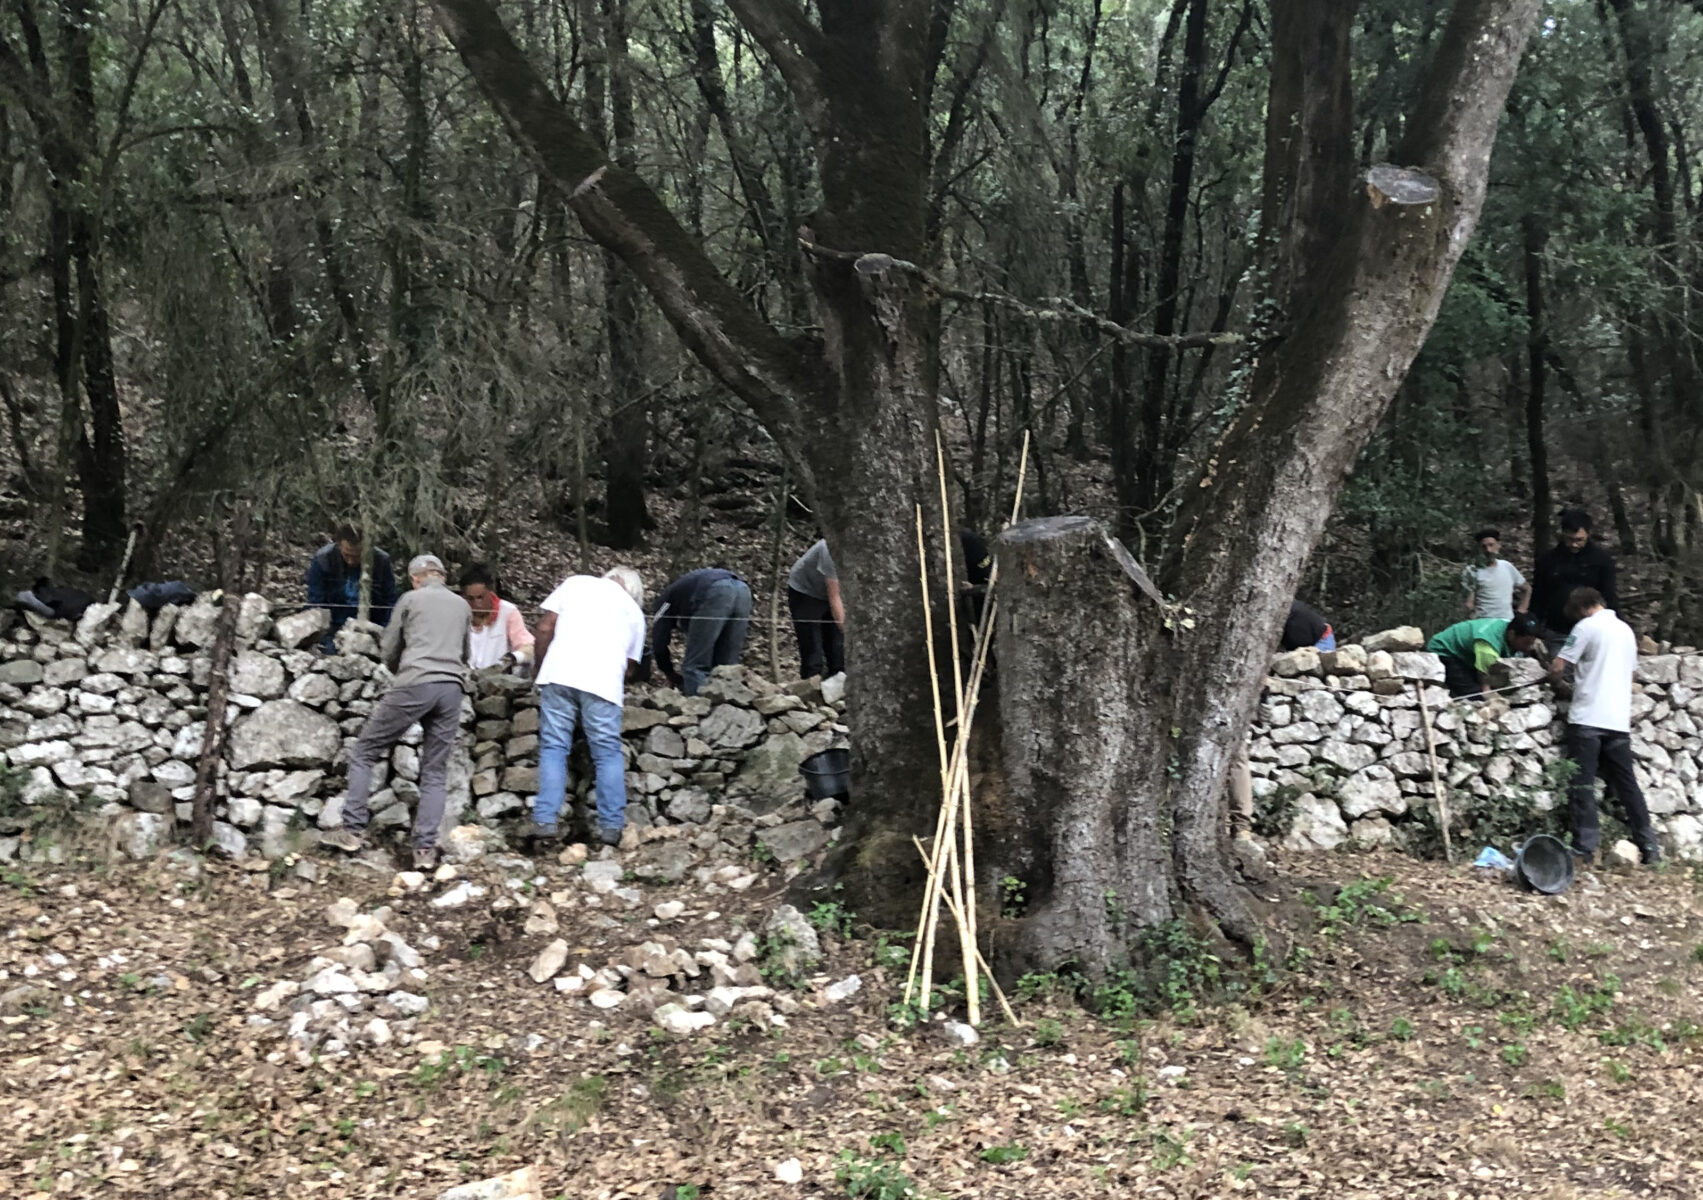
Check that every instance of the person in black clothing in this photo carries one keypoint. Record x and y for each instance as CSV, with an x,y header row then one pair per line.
x,y
978,569
1573,562
715,606
57,603
1305,627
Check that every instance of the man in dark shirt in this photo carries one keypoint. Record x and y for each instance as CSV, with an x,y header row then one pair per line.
x,y
1305,627
715,606
977,565
1573,562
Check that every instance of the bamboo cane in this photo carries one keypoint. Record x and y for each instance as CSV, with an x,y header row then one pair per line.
x,y
923,951
966,881
1436,782
998,992
955,771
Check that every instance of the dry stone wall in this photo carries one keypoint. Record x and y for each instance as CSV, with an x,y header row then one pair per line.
x,y
1339,737
106,721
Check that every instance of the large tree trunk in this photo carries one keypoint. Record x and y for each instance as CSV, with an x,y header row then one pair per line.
x,y
1083,761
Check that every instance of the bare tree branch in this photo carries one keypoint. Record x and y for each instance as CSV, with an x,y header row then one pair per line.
x,y
622,213
1062,309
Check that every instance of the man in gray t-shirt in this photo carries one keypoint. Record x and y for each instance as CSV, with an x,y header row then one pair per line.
x,y
818,613
1493,587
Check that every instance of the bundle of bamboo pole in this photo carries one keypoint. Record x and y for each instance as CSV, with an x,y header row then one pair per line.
x,y
951,857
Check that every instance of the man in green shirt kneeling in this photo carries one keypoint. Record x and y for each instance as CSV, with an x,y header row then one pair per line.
x,y
1470,648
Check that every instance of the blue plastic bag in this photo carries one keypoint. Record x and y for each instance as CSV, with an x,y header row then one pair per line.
x,y
1490,856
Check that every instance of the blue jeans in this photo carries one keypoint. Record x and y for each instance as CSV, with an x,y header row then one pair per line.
x,y
561,710
1328,642
715,634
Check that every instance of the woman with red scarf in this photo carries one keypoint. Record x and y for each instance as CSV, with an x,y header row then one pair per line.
x,y
499,636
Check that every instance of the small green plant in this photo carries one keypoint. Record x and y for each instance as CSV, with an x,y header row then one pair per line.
x,y
831,916
687,1191
1560,950
1619,1129
1011,891
1296,1135
1362,903
198,1027
893,1143
1037,985
1070,1108
1573,1008
891,952
762,854
1547,1089
869,1179
1474,1035
1287,1054
1048,1033
1126,1101
1169,1150
999,1156
1401,1029
1619,1072
1515,1054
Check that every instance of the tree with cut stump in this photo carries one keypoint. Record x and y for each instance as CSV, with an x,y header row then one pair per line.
x,y
1161,693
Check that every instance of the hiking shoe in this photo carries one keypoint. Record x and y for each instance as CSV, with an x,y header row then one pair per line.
x,y
425,858
346,840
1649,853
535,833
609,836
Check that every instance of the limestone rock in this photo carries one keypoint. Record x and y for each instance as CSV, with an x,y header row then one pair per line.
x,y
464,844
24,672
770,770
1318,825
254,617
834,688
1344,660
1403,638
796,946
794,840
92,625
314,690
731,728
196,624
1418,665
140,835
1304,661
302,628
254,674
550,960
1359,796
284,733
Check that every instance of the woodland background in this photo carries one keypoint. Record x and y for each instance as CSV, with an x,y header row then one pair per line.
x,y
287,253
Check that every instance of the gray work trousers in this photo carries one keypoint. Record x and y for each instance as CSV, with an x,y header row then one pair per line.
x,y
436,706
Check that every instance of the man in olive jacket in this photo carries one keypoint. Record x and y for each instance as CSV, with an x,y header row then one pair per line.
x,y
426,645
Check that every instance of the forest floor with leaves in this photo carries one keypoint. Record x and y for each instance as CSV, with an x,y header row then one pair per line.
x,y
1433,1033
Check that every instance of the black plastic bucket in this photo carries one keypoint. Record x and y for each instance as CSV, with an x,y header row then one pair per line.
x,y
827,775
1544,864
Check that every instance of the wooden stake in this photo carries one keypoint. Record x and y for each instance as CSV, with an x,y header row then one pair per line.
x,y
1437,791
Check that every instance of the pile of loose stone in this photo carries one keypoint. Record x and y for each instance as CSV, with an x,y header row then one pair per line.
x,y
1344,732
108,719
364,990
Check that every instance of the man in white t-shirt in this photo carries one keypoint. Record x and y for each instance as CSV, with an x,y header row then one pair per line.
x,y
1604,654
581,678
